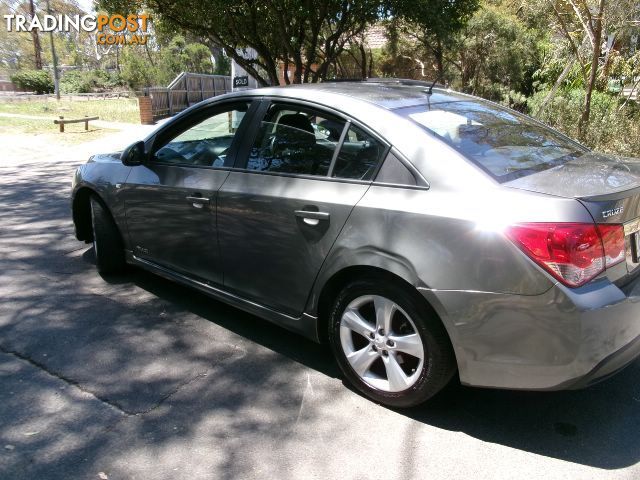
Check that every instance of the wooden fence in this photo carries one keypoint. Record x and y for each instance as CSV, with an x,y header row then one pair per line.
x,y
186,90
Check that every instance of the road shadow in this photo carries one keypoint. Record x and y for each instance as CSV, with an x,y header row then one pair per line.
x,y
136,342
598,426
249,326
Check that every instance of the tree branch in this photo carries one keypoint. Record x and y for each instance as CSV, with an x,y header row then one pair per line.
x,y
573,45
587,25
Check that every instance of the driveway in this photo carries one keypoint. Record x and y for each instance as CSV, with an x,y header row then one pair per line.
x,y
133,377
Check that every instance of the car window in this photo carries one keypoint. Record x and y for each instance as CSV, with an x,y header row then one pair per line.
x,y
359,156
291,140
395,172
206,143
506,144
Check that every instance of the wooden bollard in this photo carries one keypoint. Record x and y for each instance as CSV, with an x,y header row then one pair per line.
x,y
85,120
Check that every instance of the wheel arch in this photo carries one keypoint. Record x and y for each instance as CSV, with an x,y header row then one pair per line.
x,y
342,277
81,210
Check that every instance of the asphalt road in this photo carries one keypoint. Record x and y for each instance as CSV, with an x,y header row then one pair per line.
x,y
134,377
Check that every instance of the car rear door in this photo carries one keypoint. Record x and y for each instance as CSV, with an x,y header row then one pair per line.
x,y
280,211
170,201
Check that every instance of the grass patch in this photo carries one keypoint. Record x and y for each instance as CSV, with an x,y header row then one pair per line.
x,y
110,109
74,133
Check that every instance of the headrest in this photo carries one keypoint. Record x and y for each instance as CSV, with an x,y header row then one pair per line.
x,y
297,129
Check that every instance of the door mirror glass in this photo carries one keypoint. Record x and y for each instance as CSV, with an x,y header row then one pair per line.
x,y
133,155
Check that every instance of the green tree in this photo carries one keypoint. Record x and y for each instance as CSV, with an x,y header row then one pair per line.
x,y
309,35
496,52
136,70
434,23
141,67
180,56
585,25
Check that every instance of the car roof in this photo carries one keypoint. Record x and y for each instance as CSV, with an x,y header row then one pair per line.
x,y
386,94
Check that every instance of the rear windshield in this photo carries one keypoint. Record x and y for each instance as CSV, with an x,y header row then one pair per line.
x,y
505,144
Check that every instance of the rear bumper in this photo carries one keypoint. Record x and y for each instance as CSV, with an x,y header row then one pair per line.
x,y
608,367
564,338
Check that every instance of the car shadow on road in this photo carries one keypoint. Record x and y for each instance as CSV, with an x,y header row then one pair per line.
x,y
249,326
598,426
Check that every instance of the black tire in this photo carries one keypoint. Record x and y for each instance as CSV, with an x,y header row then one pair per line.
x,y
107,242
439,364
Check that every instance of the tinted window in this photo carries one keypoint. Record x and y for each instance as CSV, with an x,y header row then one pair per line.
x,y
359,156
206,143
298,141
504,143
393,171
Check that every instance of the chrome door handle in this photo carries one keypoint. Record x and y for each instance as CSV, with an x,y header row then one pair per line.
x,y
197,202
310,217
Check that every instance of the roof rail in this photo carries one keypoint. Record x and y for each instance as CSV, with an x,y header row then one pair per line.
x,y
340,80
398,81
405,81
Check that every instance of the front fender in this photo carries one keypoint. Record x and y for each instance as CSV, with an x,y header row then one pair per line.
x,y
102,176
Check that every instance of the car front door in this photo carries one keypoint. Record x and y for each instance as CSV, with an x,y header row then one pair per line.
x,y
280,212
170,201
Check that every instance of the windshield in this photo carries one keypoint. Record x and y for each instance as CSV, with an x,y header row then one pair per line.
x,y
505,144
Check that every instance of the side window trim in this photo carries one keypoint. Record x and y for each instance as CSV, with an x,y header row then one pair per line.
x,y
250,133
242,155
209,111
336,152
421,182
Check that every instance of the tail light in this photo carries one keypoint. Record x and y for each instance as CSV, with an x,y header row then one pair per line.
x,y
613,242
574,253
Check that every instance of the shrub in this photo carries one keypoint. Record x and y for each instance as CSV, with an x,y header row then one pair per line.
x,y
38,81
75,81
86,81
612,128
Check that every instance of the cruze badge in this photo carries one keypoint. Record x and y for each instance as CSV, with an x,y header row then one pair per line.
x,y
613,212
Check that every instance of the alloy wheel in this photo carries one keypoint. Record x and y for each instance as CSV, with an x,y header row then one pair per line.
x,y
381,343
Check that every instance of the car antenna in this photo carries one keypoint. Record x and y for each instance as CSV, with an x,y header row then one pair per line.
x,y
430,91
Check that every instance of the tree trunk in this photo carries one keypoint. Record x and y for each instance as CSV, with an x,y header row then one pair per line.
x,y
363,62
36,39
285,72
583,124
299,67
438,54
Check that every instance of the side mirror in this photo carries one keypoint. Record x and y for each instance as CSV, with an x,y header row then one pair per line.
x,y
133,155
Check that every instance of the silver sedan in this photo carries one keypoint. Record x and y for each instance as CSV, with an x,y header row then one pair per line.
x,y
426,235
